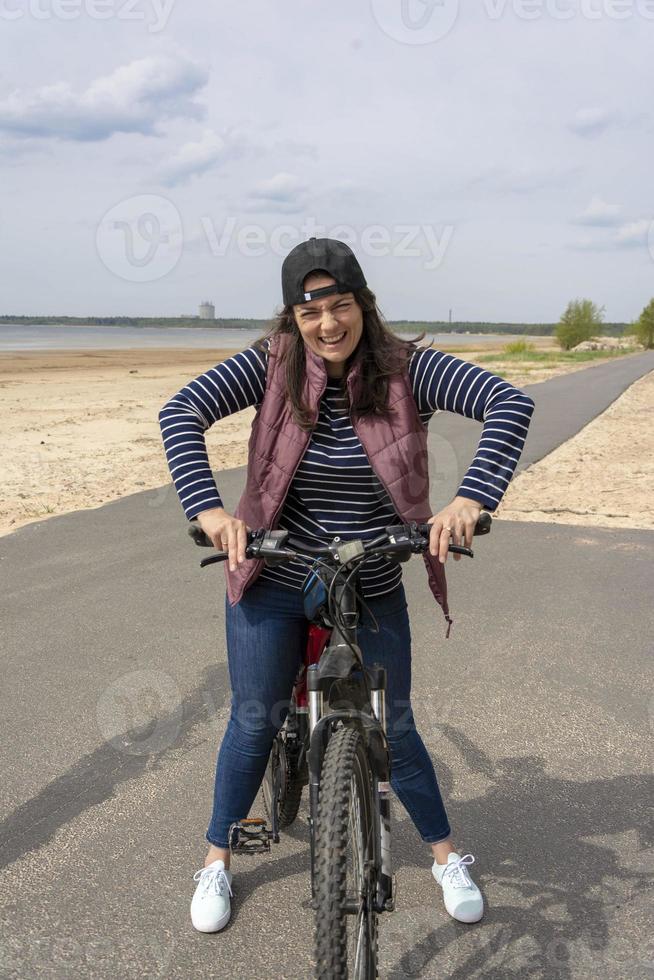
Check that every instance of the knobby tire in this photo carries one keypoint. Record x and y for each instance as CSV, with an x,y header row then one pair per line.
x,y
345,780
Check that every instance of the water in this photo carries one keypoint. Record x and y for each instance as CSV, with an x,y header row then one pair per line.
x,y
47,337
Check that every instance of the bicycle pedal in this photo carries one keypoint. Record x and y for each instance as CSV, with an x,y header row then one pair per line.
x,y
249,836
389,905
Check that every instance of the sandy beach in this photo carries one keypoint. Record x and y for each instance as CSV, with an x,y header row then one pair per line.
x,y
80,429
603,477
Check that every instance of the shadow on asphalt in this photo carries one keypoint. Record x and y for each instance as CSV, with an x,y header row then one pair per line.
x,y
562,891
96,776
532,831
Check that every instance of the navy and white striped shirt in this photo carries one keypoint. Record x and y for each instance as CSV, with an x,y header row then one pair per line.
x,y
335,490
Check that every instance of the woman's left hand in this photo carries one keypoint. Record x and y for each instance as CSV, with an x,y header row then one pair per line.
x,y
455,523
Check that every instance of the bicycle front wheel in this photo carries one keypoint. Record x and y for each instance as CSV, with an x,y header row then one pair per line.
x,y
346,862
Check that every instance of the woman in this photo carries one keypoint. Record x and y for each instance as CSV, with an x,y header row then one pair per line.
x,y
322,382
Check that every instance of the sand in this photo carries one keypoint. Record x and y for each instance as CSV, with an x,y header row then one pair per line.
x,y
80,429
602,477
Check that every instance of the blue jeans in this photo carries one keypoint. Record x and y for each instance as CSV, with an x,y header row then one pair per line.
x,y
266,639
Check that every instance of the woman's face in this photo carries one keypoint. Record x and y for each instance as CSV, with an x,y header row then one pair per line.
x,y
330,326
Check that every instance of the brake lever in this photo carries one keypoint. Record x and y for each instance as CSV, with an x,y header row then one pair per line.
x,y
458,549
203,540
421,544
223,556
262,545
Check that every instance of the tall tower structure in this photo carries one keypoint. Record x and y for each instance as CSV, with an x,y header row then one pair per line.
x,y
207,310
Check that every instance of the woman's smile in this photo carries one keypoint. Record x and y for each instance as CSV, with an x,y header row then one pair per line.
x,y
331,341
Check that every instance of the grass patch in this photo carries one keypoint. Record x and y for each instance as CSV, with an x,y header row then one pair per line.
x,y
518,347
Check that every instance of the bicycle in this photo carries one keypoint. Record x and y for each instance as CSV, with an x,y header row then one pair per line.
x,y
342,752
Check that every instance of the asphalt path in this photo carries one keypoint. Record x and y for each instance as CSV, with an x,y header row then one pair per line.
x,y
537,711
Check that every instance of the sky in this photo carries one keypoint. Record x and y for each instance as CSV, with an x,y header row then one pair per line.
x,y
492,158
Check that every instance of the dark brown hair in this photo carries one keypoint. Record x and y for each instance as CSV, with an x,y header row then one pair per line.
x,y
381,353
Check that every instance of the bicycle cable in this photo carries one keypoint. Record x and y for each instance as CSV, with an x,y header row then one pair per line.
x,y
333,608
338,617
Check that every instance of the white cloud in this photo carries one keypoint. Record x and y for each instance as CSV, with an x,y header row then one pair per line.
x,y
207,153
632,233
600,214
133,99
591,121
283,192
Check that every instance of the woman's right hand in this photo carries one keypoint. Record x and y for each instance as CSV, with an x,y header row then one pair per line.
x,y
227,533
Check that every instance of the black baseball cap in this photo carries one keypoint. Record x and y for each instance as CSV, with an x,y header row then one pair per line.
x,y
333,256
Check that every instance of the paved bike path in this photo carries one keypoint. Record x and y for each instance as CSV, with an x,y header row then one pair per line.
x,y
536,711
564,405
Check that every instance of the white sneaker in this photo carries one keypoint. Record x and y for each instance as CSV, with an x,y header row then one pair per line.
x,y
462,898
211,906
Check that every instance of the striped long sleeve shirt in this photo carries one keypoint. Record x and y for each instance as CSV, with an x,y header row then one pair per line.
x,y
335,490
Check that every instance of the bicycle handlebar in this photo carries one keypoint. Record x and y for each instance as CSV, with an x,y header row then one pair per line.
x,y
276,547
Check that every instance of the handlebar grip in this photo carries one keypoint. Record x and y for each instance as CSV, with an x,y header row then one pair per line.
x,y
198,535
483,525
204,541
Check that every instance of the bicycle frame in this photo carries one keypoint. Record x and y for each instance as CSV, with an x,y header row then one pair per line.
x,y
316,642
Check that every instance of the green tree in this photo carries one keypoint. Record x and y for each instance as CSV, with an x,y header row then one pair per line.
x,y
581,321
644,326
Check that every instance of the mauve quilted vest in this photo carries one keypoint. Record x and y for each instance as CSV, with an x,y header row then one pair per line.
x,y
396,448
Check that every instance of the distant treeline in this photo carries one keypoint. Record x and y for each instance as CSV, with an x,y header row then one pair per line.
x,y
133,321
403,326
463,326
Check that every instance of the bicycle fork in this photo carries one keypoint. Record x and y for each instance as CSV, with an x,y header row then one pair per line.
x,y
385,890
384,899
